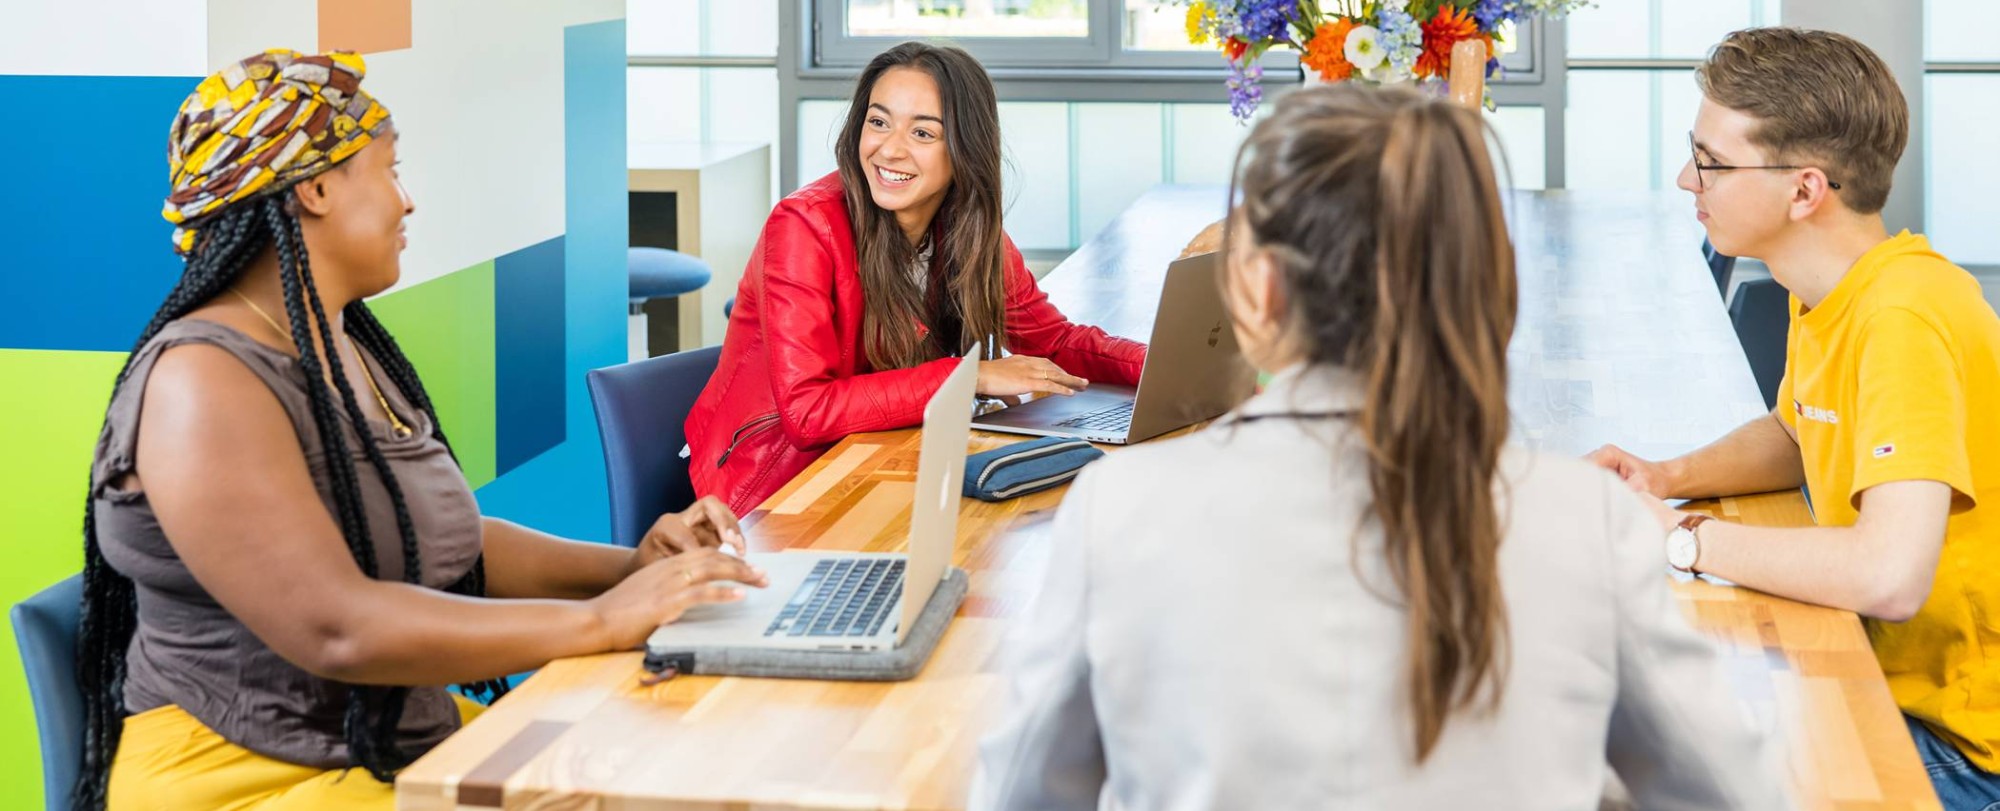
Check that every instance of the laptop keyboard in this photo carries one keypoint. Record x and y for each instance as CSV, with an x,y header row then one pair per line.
x,y
1110,418
842,597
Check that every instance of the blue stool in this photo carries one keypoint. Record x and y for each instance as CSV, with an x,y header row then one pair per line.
x,y
45,626
660,275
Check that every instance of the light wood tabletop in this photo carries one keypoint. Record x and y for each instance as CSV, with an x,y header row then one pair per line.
x,y
1622,338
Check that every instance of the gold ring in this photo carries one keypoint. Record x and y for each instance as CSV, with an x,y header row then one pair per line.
x,y
689,575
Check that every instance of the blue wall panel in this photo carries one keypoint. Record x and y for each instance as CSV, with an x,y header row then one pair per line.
x,y
87,258
563,490
528,373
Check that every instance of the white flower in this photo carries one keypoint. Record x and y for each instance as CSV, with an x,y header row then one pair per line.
x,y
1364,48
1504,41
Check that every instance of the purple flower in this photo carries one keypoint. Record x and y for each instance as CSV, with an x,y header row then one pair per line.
x,y
1245,92
1490,13
1268,19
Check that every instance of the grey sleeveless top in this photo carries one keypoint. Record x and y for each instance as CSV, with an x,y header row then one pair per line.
x,y
190,652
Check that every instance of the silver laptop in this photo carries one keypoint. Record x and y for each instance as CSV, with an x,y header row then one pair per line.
x,y
1193,373
851,601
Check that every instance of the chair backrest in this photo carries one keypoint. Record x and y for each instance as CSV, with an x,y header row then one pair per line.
x,y
1759,312
642,409
45,626
1720,266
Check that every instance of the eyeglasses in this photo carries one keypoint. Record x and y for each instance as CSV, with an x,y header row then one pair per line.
x,y
1701,170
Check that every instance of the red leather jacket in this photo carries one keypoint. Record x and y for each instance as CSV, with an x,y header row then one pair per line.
x,y
794,380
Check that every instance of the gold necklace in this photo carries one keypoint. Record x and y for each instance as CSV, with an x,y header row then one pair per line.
x,y
396,425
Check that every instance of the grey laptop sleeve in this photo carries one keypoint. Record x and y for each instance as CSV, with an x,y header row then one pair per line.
x,y
900,664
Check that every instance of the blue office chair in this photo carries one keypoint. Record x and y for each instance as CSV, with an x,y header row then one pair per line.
x,y
1720,266
1761,314
45,626
642,409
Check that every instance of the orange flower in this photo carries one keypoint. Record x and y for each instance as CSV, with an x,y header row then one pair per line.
x,y
1443,31
1326,51
1234,48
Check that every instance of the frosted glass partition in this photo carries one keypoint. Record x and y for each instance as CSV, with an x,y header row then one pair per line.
x,y
661,27
658,102
819,125
1523,134
1203,139
1035,173
701,27
1955,31
1627,129
1683,29
1119,155
1964,168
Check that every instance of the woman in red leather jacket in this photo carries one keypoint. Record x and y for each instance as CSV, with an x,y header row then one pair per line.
x,y
868,285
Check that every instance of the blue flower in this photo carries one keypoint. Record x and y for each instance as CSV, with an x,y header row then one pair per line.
x,y
1490,13
1268,19
1402,39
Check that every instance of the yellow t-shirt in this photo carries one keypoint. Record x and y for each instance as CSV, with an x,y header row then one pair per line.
x,y
1895,376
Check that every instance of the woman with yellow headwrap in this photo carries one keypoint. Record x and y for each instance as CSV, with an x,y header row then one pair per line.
x,y
283,563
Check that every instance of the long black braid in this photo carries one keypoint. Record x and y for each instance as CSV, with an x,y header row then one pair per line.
x,y
230,241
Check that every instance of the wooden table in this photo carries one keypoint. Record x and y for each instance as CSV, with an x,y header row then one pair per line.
x,y
1621,338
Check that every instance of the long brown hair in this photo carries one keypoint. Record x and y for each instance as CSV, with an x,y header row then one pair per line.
x,y
1383,211
970,247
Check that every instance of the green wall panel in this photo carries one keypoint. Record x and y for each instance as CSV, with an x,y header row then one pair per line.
x,y
445,326
51,408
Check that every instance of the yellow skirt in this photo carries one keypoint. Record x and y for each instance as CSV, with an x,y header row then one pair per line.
x,y
168,760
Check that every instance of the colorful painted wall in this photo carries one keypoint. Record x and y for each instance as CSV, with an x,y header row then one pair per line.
x,y
512,116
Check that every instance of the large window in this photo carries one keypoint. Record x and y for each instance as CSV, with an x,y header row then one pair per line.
x,y
702,71
1063,19
1632,95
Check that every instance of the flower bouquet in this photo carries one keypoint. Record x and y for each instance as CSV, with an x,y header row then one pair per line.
x,y
1375,41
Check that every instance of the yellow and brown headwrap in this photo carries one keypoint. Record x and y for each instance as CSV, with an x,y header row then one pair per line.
x,y
262,123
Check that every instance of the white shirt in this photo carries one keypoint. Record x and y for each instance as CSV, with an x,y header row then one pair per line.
x,y
1217,630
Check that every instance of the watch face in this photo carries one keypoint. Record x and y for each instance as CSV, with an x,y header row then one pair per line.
x,y
1681,549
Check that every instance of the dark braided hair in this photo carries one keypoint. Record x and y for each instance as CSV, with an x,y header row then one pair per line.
x,y
230,240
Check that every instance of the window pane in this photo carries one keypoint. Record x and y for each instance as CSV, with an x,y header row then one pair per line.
x,y
658,102
1672,29
740,27
1205,138
1119,157
1158,25
1954,33
702,28
968,18
663,27
1034,182
819,125
1963,167
1523,137
1627,129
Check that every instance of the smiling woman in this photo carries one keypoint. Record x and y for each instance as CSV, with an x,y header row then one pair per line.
x,y
869,284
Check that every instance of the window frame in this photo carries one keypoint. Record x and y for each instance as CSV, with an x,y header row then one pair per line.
x,y
833,49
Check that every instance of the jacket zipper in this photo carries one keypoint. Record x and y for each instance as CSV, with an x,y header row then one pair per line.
x,y
738,437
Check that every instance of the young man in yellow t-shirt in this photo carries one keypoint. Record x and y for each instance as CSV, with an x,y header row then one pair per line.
x,y
1890,407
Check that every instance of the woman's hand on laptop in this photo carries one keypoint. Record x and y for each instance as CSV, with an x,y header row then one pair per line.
x,y
662,591
707,524
1024,374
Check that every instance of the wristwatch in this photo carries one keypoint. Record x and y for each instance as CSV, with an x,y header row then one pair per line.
x,y
1683,545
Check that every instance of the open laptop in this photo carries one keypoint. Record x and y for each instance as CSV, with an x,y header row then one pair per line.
x,y
1193,373
846,601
